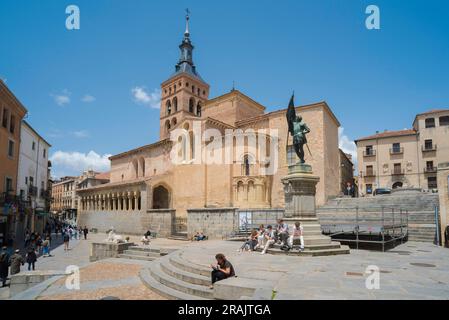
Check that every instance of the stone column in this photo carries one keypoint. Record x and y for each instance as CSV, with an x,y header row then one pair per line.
x,y
129,199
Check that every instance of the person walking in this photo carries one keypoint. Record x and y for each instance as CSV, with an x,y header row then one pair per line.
x,y
16,261
46,247
222,270
66,239
31,258
85,231
4,265
27,239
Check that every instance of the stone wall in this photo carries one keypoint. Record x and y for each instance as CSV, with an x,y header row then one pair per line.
x,y
216,223
132,222
105,250
443,192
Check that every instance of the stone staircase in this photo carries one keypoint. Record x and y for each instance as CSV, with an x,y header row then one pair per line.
x,y
312,250
180,235
420,207
175,278
142,253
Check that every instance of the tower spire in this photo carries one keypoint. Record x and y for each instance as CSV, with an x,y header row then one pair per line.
x,y
187,33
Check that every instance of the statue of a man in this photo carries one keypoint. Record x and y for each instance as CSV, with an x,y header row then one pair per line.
x,y
298,129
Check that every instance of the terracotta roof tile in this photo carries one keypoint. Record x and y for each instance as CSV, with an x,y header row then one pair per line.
x,y
387,134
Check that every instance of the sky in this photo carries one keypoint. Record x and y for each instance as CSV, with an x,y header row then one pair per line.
x,y
94,92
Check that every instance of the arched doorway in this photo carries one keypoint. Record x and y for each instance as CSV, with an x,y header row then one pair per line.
x,y
161,198
397,185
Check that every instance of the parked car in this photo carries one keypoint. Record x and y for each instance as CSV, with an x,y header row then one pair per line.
x,y
381,191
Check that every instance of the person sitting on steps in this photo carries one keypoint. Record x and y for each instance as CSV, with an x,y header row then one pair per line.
x,y
222,270
251,243
297,233
145,239
269,239
260,237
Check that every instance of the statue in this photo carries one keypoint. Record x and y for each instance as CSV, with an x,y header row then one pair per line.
x,y
298,129
112,237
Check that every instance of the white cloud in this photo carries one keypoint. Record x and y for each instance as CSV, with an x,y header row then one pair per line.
x,y
88,98
81,134
62,98
141,96
74,163
347,145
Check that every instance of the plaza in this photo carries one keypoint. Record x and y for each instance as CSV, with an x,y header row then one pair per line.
x,y
412,270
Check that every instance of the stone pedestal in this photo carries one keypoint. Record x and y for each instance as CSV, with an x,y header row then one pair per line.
x,y
299,190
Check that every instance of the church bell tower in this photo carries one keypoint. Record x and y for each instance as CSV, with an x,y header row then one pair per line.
x,y
185,92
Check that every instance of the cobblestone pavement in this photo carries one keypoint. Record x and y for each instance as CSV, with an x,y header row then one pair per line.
x,y
112,277
413,270
410,271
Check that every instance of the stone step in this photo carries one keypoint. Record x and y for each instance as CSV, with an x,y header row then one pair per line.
x,y
136,257
167,292
185,276
178,237
182,264
317,240
176,284
332,245
142,253
311,253
145,248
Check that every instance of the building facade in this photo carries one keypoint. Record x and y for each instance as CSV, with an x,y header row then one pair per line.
x,y
405,158
64,199
11,115
147,180
32,178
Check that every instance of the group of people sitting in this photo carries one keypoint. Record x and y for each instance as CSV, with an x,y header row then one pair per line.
x,y
199,236
282,235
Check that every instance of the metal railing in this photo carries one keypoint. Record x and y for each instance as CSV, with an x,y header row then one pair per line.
x,y
397,172
430,169
369,153
358,225
396,150
32,191
428,148
369,173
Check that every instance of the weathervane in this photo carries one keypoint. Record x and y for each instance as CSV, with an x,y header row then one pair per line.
x,y
187,21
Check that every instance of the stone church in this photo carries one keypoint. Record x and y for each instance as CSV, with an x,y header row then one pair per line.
x,y
147,188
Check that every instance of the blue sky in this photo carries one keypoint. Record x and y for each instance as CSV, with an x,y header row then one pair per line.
x,y
77,85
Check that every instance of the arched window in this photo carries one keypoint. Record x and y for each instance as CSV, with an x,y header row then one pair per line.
x,y
135,168
174,122
246,165
175,104
168,107
191,105
167,125
142,167
193,89
198,109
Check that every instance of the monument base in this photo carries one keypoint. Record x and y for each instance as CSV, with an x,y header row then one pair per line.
x,y
299,191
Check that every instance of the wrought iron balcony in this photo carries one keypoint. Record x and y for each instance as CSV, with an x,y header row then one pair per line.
x,y
397,172
397,150
430,170
369,153
429,148
369,173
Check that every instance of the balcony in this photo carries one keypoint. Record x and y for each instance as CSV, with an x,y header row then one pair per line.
x,y
45,194
397,172
8,199
369,174
397,150
429,148
430,170
369,153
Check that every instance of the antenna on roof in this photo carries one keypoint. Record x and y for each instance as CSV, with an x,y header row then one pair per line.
x,y
233,86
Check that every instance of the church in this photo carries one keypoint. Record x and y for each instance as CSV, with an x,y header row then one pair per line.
x,y
148,190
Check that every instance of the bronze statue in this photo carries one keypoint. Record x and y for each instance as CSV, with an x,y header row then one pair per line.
x,y
298,129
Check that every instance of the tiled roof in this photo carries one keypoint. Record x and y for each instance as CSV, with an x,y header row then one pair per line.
x,y
388,134
103,176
